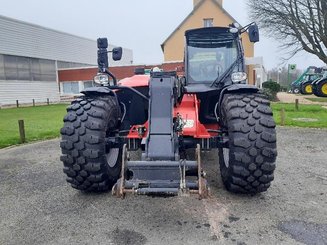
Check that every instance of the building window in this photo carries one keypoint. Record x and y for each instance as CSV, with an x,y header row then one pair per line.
x,y
208,22
70,88
88,84
26,68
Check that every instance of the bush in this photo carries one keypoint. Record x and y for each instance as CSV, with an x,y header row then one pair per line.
x,y
272,85
271,88
270,96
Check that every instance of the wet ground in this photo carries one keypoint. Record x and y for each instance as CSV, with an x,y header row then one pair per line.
x,y
38,207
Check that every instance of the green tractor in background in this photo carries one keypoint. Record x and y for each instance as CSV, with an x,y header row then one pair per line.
x,y
319,86
303,83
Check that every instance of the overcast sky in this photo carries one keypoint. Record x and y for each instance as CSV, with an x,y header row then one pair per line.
x,y
141,25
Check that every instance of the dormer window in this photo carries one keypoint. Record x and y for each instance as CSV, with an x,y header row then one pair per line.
x,y
208,22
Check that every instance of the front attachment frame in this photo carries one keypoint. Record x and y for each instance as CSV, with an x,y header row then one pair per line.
x,y
161,178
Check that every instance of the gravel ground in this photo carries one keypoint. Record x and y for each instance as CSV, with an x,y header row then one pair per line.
x,y
38,207
290,98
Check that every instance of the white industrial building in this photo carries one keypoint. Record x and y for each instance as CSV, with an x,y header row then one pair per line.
x,y
30,56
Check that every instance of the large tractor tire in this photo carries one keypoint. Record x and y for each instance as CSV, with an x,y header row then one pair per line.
x,y
306,88
314,87
88,163
247,164
322,88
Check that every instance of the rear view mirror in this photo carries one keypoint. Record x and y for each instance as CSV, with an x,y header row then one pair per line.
x,y
117,53
254,33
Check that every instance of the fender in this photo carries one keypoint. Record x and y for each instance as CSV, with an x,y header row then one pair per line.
x,y
242,88
235,88
98,90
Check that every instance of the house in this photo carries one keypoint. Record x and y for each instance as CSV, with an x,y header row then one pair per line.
x,y
205,13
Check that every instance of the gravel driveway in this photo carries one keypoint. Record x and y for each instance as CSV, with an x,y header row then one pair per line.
x,y
38,207
290,98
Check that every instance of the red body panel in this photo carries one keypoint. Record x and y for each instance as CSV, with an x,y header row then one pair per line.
x,y
135,81
188,109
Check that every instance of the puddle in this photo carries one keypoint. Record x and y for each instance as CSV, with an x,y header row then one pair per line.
x,y
305,232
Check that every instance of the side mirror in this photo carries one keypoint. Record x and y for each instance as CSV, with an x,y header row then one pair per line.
x,y
117,53
254,33
102,54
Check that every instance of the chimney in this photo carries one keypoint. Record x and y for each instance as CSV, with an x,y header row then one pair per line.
x,y
196,2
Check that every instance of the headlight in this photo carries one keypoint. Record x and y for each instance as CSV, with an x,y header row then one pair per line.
x,y
239,76
102,79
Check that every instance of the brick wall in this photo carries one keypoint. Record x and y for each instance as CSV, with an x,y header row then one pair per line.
x,y
87,74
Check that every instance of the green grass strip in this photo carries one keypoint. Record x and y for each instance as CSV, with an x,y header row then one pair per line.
x,y
316,115
41,122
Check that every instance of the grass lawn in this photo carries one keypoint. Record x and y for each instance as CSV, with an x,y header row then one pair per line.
x,y
318,99
41,122
312,116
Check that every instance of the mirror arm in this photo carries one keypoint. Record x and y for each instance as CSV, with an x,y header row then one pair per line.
x,y
245,28
111,75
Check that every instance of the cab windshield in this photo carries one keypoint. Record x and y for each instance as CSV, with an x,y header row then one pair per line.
x,y
206,63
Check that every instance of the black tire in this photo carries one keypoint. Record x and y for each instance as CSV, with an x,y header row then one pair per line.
x,y
314,89
305,88
322,88
248,164
89,165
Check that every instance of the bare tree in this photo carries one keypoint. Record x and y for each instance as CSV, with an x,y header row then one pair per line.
x,y
297,24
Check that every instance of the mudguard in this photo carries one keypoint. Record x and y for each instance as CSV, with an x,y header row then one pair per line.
x,y
236,88
98,90
242,88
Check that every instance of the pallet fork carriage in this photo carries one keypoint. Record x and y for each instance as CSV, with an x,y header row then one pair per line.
x,y
165,116
166,178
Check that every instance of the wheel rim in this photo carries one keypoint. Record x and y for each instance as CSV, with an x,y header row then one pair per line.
x,y
324,89
226,156
112,157
296,91
308,89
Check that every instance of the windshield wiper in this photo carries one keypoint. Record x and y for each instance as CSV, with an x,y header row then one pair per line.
x,y
217,81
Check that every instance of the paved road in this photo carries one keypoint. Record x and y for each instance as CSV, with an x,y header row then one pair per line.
x,y
38,207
